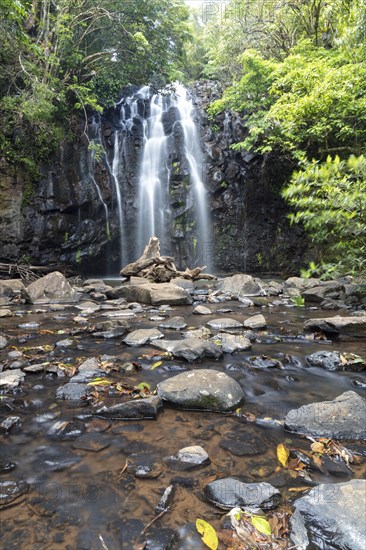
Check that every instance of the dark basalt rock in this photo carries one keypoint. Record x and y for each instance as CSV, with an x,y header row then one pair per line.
x,y
331,516
342,418
230,492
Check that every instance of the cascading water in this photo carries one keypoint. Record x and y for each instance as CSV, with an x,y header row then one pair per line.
x,y
95,139
155,167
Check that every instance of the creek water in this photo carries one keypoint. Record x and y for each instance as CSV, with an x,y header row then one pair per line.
x,y
155,141
78,497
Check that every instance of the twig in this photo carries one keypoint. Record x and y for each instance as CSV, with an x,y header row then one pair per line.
x,y
153,521
123,470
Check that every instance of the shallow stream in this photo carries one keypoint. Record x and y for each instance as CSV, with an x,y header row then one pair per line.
x,y
85,496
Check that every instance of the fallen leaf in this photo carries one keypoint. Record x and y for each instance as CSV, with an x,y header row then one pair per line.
x,y
317,447
209,537
261,524
156,365
283,454
99,382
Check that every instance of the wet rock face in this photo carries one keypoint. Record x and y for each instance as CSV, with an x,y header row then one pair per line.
x,y
331,516
342,418
60,219
252,232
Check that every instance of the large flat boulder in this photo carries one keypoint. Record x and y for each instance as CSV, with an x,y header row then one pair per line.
x,y
242,285
337,325
155,293
190,349
51,288
342,418
332,516
201,389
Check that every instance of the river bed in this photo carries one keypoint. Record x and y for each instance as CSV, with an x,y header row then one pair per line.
x,y
82,491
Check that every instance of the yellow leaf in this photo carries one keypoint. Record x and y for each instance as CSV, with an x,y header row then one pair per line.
x,y
155,365
209,537
261,524
283,454
99,382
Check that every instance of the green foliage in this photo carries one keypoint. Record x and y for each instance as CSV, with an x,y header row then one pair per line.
x,y
330,201
61,57
298,301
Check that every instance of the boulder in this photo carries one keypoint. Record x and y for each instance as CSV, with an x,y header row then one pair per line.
x,y
201,389
331,516
190,349
334,360
142,336
255,322
242,285
11,378
155,293
12,290
3,341
339,326
342,418
233,342
229,492
175,323
318,293
300,283
148,407
53,287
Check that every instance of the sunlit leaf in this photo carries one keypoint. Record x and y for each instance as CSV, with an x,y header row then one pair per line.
x,y
209,537
99,382
261,524
156,365
283,454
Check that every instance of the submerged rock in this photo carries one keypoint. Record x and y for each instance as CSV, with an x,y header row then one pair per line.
x,y
342,418
331,516
73,391
53,287
201,389
230,492
188,458
148,407
190,349
144,465
11,490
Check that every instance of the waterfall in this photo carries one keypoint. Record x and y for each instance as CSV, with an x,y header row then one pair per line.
x,y
155,165
95,142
